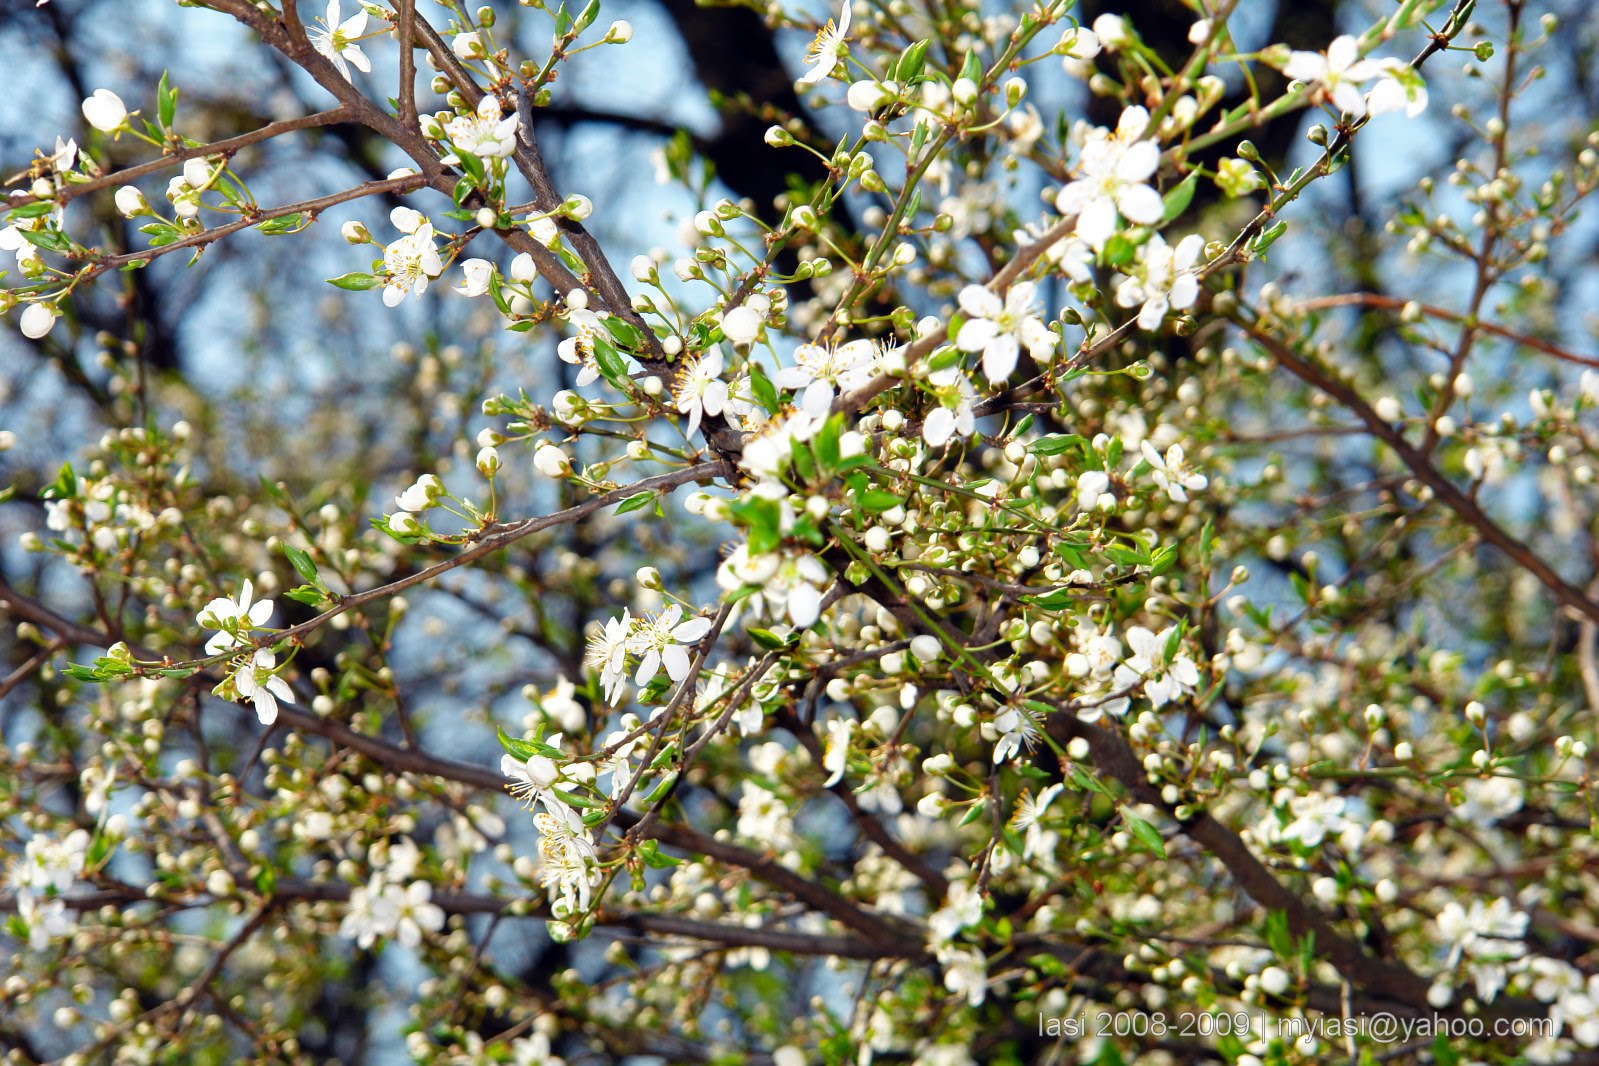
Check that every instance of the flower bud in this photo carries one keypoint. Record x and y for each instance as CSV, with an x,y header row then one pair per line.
x,y
105,111
131,202
197,173
552,461
38,320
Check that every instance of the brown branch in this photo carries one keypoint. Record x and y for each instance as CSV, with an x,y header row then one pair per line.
x,y
313,207
1422,467
872,829
176,155
1394,303
407,91
722,934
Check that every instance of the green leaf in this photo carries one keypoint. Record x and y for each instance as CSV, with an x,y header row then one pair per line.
x,y
281,224
473,166
1178,197
919,137
1277,938
876,501
1119,249
972,68
586,17
301,561
49,239
356,282
1056,443
612,366
519,749
650,852
910,63
82,673
766,638
658,793
627,335
309,595
1054,600
32,210
634,502
66,483
109,667
1269,238
765,392
161,233
804,462
1113,454
1143,832
166,101
825,443
763,518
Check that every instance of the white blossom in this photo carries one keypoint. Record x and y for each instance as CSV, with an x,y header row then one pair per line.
x,y
664,640
1000,328
1172,472
257,683
700,390
336,39
1162,279
962,908
475,277
791,583
607,651
1114,171
234,618
551,461
965,973
822,56
105,110
1485,936
46,920
1162,681
131,202
410,262
742,324
486,133
954,416
823,370
835,753
1340,72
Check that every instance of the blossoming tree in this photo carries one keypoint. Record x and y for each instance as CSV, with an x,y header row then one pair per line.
x,y
1032,587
